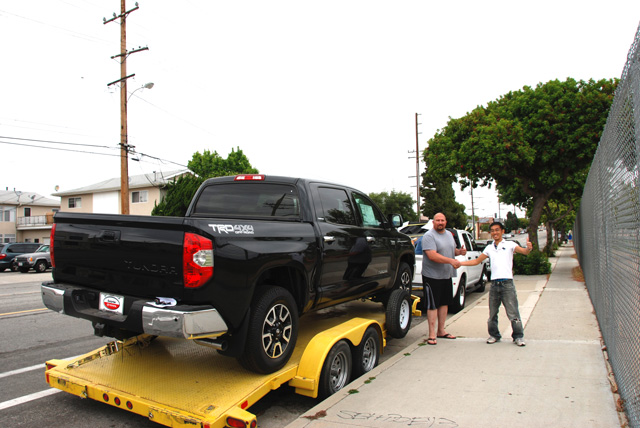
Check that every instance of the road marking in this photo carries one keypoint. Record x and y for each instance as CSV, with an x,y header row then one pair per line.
x,y
23,370
24,312
27,398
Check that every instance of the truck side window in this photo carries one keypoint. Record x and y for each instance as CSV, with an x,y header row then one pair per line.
x,y
371,217
467,243
336,206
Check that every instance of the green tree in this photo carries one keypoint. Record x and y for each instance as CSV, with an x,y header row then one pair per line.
x,y
178,196
511,222
206,165
531,142
395,203
439,197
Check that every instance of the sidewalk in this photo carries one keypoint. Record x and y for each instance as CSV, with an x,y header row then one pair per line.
x,y
558,380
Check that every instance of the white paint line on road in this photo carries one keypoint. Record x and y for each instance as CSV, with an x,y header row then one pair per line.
x,y
23,370
27,398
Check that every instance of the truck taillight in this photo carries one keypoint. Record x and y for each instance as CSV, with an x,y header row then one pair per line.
x,y
51,239
197,260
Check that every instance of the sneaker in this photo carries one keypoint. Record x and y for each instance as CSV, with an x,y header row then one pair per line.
x,y
492,340
519,341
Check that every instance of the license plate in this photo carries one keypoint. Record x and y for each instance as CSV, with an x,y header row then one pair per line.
x,y
111,303
20,264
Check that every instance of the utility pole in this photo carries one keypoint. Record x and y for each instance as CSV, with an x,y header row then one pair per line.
x,y
124,146
417,152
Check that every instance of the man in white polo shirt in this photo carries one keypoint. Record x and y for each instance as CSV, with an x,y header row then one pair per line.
x,y
503,291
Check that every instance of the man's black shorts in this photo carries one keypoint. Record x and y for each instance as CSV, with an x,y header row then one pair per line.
x,y
437,292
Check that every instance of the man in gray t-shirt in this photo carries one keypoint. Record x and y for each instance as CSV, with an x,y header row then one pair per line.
x,y
438,267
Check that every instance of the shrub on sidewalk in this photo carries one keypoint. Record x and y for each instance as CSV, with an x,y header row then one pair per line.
x,y
536,263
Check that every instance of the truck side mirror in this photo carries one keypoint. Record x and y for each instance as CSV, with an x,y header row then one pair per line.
x,y
396,220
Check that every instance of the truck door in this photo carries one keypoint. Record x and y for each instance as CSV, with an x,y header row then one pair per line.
x,y
472,253
347,248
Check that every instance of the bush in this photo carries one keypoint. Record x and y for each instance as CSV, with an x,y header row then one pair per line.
x,y
536,263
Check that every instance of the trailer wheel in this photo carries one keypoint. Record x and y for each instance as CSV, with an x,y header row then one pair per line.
x,y
336,370
367,354
273,330
398,314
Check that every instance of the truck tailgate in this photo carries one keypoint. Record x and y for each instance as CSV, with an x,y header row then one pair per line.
x,y
135,255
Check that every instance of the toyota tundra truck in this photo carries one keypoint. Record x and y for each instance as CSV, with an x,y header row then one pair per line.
x,y
252,254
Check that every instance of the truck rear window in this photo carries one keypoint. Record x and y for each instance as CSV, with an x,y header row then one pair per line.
x,y
248,200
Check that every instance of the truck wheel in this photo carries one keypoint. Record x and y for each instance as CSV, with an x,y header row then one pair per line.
x,y
367,354
41,266
459,299
405,278
398,316
483,280
273,330
336,370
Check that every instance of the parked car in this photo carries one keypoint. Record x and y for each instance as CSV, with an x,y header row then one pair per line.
x,y
469,279
39,261
10,250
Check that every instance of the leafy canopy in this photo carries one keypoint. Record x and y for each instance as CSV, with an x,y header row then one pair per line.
x,y
206,165
394,203
531,143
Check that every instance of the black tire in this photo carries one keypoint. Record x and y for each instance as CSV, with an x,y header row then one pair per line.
x,y
405,277
483,280
40,266
461,296
336,370
14,267
367,354
23,270
398,314
273,330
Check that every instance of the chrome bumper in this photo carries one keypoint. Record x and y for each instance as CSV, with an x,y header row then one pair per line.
x,y
157,321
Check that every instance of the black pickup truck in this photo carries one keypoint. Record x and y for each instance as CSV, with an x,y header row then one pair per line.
x,y
252,254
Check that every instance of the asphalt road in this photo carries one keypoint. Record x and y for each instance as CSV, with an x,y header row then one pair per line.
x,y
30,335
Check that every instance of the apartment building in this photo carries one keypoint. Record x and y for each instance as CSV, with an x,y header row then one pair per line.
x,y
26,216
145,191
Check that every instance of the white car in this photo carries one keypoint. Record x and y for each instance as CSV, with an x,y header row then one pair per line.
x,y
469,279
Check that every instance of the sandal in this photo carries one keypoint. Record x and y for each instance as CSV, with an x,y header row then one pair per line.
x,y
447,336
432,341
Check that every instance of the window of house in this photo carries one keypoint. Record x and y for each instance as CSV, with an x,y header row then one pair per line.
x,y
8,237
27,212
139,197
75,202
8,214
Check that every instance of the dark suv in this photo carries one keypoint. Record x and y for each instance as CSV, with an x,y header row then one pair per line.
x,y
12,249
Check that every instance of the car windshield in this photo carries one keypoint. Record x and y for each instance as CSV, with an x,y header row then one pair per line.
x,y
43,249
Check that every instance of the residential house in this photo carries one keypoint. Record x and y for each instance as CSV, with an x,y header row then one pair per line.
x,y
26,216
145,191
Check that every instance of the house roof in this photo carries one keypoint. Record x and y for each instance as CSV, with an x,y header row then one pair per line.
x,y
154,179
13,197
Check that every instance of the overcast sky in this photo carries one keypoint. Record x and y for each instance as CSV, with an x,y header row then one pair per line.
x,y
317,89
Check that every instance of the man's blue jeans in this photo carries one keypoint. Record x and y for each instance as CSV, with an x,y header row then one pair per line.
x,y
504,292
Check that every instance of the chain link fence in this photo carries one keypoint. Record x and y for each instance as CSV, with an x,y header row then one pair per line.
x,y
607,234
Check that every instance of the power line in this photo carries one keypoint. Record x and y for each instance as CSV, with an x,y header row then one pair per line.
x,y
55,142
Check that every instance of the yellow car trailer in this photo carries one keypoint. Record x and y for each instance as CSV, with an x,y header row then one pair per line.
x,y
178,383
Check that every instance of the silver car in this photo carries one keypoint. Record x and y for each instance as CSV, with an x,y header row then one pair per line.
x,y
39,261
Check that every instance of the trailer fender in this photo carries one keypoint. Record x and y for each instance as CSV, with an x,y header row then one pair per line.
x,y
307,378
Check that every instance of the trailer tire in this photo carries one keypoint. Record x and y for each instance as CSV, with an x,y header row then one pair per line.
x,y
398,314
367,354
336,370
272,332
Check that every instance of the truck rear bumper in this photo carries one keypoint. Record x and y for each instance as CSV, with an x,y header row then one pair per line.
x,y
180,321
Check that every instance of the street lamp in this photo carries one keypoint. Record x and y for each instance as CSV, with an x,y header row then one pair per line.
x,y
124,148
145,86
